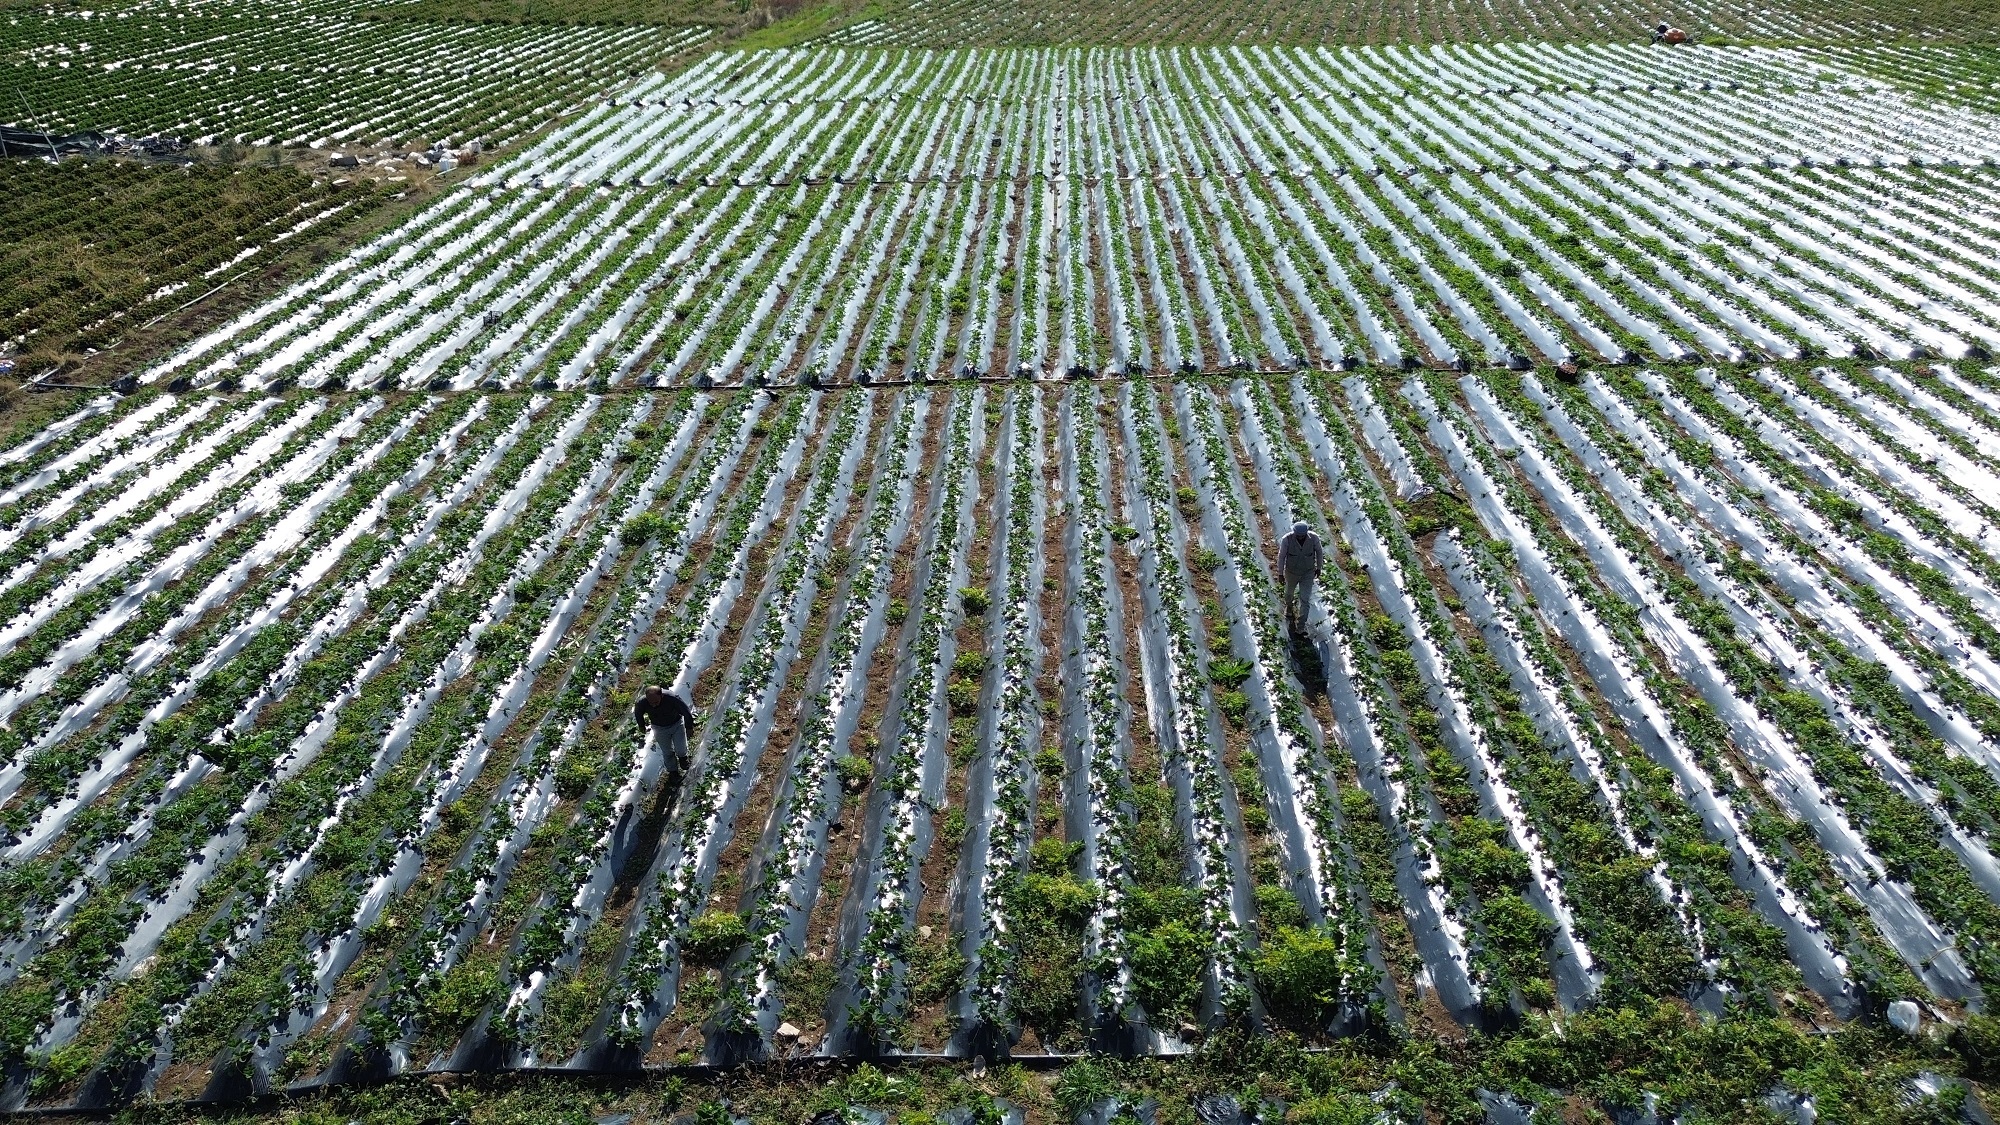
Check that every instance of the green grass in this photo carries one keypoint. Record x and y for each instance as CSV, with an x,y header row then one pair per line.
x,y
808,22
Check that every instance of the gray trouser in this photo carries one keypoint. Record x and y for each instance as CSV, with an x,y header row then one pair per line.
x,y
1298,596
671,739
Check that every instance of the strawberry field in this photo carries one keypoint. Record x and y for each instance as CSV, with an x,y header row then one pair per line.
x,y
1654,682
873,215
1043,23
929,418
269,72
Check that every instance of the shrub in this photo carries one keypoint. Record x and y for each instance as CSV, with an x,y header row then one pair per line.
x,y
963,695
1167,965
1514,924
1299,973
573,776
62,1069
964,739
975,599
498,639
713,936
1051,856
970,663
1051,912
951,830
1434,511
936,968
1538,993
1277,909
804,985
1081,1085
1978,1042
854,772
459,816
1484,862
642,528
1149,908
1207,559
461,995
1229,671
1049,763
1059,898
1336,1108
1383,630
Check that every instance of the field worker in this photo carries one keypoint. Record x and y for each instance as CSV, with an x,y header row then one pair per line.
x,y
662,710
1669,35
1299,559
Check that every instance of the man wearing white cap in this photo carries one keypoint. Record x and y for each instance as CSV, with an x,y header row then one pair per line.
x,y
1299,558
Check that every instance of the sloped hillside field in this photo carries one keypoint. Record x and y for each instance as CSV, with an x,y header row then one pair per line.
x,y
930,419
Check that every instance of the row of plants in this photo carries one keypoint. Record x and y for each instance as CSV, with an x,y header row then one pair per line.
x,y
1620,902
350,814
825,770
313,671
419,999
1008,906
1296,783
1909,603
1491,900
676,883
1881,727
1496,269
70,848
88,588
913,737
108,248
553,905
1723,669
1194,694
1392,31
283,498
1625,685
499,662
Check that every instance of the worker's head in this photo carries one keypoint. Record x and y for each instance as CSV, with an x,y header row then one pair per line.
x,y
1301,529
655,693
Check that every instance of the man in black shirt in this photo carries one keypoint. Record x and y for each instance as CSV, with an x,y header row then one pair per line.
x,y
663,711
